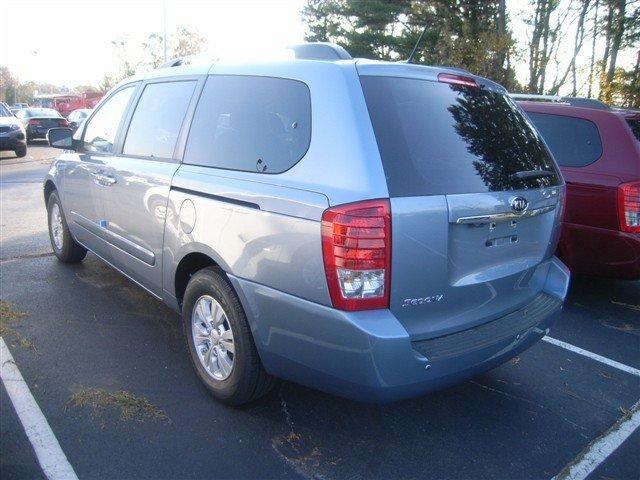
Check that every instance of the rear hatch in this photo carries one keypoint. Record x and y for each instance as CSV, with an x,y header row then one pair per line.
x,y
475,199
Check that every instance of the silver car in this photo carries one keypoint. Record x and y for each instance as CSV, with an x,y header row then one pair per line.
x,y
372,229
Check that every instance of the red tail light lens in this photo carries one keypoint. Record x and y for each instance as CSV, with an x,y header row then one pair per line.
x,y
356,246
629,207
63,123
34,122
457,80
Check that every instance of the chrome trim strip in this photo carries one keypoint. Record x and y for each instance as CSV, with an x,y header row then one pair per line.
x,y
116,240
504,217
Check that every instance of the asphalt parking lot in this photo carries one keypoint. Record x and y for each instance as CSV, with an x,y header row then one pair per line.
x,y
108,368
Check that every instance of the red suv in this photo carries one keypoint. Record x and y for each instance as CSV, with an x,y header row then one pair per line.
x,y
598,150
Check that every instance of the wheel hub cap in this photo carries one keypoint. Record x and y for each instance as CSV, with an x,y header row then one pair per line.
x,y
212,337
56,226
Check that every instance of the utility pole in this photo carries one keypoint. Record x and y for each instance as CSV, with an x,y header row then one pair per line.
x,y
164,28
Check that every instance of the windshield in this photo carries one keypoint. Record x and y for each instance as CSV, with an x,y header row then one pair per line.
x,y
437,138
4,112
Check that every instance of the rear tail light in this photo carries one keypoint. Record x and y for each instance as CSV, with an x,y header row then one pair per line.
x,y
457,80
63,123
629,207
356,247
34,122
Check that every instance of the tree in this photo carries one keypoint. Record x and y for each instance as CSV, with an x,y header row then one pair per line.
x,y
594,35
182,43
469,34
543,43
577,46
624,89
7,85
621,29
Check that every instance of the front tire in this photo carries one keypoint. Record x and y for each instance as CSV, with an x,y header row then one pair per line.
x,y
21,151
64,246
219,340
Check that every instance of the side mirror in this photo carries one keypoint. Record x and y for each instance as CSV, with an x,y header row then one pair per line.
x,y
61,138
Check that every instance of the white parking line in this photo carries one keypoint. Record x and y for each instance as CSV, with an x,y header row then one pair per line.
x,y
598,451
52,459
594,356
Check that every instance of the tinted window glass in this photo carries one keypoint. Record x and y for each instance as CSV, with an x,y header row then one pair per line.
x,y
156,122
436,138
250,123
634,124
574,142
4,112
102,128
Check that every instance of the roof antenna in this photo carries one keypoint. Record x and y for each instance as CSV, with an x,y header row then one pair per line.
x,y
415,47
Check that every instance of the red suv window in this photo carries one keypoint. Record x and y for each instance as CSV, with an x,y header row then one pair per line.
x,y
574,142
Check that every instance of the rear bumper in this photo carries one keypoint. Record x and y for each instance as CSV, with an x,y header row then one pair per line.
x,y
600,252
369,356
33,132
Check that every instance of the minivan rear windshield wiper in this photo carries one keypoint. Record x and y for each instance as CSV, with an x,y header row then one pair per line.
x,y
528,174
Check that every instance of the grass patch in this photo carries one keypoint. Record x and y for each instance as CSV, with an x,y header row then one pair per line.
x,y
8,317
131,407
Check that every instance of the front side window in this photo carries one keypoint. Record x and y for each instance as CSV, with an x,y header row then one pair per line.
x,y
254,124
100,133
574,142
156,122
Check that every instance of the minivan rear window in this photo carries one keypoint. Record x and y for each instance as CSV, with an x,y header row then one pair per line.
x,y
574,142
438,138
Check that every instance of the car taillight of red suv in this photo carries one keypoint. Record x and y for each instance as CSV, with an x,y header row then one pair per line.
x,y
629,207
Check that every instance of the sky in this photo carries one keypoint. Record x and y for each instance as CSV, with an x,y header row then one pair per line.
x,y
67,42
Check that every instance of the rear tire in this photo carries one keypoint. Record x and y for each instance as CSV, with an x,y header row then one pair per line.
x,y
21,152
64,246
247,380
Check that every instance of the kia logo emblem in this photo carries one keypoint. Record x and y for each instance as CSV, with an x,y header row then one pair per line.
x,y
519,204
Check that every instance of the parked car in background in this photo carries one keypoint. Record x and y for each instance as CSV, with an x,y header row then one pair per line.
x,y
373,229
14,111
76,117
598,150
65,103
19,106
38,121
12,133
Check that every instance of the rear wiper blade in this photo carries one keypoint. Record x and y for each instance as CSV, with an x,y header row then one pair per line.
x,y
528,174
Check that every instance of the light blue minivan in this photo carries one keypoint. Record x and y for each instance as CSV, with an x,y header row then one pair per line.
x,y
372,229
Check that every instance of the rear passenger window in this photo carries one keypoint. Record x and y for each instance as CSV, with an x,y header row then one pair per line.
x,y
574,142
250,123
156,122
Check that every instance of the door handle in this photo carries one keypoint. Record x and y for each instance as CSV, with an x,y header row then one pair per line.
x,y
104,180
